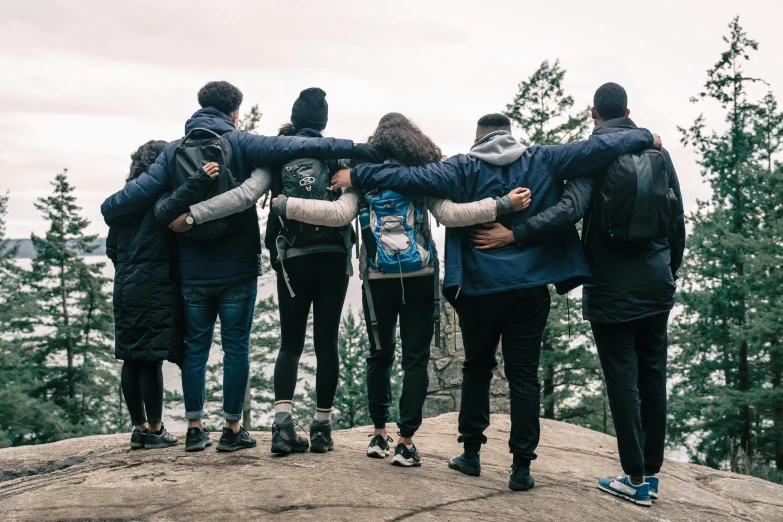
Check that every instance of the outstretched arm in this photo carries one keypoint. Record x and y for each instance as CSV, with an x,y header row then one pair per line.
x,y
452,214
579,158
439,180
140,193
571,208
318,212
266,150
192,191
235,200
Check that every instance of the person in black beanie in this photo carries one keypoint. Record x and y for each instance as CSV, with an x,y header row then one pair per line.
x,y
310,110
309,275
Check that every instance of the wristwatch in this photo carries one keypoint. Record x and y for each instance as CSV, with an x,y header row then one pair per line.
x,y
189,219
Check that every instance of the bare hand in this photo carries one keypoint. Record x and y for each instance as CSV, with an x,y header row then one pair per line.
x,y
657,144
520,197
211,169
493,235
342,179
179,225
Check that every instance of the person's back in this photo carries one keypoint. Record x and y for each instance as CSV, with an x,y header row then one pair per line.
x,y
627,303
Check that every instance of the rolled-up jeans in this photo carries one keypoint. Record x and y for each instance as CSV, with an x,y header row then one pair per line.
x,y
234,304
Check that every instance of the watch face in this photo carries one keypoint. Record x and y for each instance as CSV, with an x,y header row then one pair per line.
x,y
189,220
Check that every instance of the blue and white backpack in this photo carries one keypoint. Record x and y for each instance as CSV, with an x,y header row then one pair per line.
x,y
397,239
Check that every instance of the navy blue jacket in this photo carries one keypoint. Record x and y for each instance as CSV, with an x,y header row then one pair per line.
x,y
237,258
464,179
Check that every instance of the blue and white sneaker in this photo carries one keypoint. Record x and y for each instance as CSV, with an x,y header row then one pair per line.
x,y
653,482
621,487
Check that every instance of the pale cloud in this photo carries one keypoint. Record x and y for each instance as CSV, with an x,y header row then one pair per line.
x,y
85,82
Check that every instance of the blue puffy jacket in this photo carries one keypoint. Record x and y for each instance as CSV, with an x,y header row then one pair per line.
x,y
493,171
237,258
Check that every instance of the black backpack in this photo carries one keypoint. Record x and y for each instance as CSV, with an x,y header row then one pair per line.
x,y
308,179
199,147
635,203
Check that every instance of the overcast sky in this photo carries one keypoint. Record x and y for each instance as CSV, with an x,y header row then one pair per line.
x,y
84,83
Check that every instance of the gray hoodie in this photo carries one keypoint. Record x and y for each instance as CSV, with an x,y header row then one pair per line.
x,y
497,148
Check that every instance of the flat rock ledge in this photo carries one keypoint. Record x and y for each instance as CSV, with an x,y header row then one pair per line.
x,y
99,478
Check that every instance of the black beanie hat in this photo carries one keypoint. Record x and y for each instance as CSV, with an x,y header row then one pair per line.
x,y
310,109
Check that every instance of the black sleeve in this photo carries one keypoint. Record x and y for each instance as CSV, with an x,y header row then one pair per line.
x,y
677,237
567,212
176,203
111,245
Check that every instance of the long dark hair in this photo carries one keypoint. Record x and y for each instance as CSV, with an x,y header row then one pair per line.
x,y
144,157
400,138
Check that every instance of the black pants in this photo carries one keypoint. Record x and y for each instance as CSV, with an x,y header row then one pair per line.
x,y
142,386
416,328
319,280
633,357
516,318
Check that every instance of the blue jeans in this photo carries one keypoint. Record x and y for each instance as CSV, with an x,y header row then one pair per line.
x,y
234,304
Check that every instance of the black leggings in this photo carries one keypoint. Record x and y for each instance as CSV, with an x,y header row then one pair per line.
x,y
319,280
142,386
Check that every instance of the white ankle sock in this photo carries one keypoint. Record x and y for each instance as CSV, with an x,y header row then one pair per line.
x,y
323,414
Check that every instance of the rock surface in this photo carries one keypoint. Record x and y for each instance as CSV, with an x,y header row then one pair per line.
x,y
99,478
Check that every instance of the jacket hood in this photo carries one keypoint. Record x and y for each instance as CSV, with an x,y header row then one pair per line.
x,y
497,148
615,125
209,118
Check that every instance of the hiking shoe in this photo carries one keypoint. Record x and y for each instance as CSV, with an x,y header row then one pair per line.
x,y
231,441
159,439
520,479
621,487
285,440
197,440
406,457
379,447
653,482
467,464
137,438
321,436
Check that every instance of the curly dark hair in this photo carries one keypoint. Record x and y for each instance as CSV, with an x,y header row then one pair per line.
x,y
144,157
287,129
400,138
221,95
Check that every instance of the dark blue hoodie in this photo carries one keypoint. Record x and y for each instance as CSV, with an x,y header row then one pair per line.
x,y
237,258
492,170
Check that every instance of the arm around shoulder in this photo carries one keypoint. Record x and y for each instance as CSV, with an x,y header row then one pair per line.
x,y
325,213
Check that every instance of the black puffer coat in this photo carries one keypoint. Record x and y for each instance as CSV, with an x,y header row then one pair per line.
x,y
148,310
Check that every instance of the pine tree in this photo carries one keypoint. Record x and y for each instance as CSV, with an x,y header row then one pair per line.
x,y
569,366
725,335
350,402
25,416
74,346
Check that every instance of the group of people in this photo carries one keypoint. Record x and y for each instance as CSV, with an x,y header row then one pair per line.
x,y
187,251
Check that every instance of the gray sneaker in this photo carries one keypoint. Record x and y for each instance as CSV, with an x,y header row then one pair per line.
x,y
137,438
321,436
160,439
197,440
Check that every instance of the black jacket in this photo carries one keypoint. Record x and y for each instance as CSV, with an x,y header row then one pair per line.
x,y
629,281
148,312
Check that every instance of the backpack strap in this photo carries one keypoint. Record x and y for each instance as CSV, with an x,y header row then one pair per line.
x,y
370,307
187,136
436,300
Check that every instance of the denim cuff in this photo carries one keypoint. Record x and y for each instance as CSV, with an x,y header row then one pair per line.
x,y
193,415
232,416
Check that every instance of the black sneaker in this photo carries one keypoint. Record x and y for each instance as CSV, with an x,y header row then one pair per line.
x,y
379,447
197,440
520,479
406,457
231,441
160,439
137,438
467,464
321,436
285,439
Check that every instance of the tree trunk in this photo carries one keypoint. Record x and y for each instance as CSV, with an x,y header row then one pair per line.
x,y
549,380
776,361
247,411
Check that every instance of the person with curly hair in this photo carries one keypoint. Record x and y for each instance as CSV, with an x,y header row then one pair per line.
x,y
148,315
408,297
